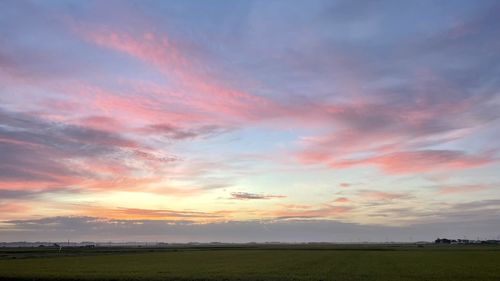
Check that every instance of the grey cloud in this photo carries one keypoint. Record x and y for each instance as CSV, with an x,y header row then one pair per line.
x,y
253,196
21,194
176,133
440,212
28,164
478,204
90,228
24,128
34,149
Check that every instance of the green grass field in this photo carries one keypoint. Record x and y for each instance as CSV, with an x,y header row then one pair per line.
x,y
382,263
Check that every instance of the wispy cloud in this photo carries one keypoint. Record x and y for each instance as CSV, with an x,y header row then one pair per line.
x,y
452,189
377,195
324,211
165,54
341,200
161,214
253,196
420,161
170,131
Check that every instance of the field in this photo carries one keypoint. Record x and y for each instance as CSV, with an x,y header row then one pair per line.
x,y
292,262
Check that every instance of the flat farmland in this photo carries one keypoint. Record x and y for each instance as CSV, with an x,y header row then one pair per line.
x,y
292,262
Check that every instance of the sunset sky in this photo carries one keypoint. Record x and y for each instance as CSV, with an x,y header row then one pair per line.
x,y
249,120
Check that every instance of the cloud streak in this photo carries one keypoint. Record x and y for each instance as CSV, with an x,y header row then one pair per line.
x,y
201,91
253,196
420,161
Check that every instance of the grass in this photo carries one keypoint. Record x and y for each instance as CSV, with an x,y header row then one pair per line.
x,y
255,263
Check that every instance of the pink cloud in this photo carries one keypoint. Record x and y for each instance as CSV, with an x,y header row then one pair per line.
x,y
381,195
47,180
122,183
462,189
130,107
201,90
13,208
419,161
103,123
327,211
313,156
391,135
103,168
341,200
296,206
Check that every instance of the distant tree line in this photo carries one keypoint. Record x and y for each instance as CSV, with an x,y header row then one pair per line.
x,y
465,241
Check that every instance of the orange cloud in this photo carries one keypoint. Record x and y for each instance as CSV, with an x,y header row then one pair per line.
x,y
13,208
328,211
152,214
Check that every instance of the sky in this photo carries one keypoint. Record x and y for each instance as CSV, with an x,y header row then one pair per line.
x,y
239,121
